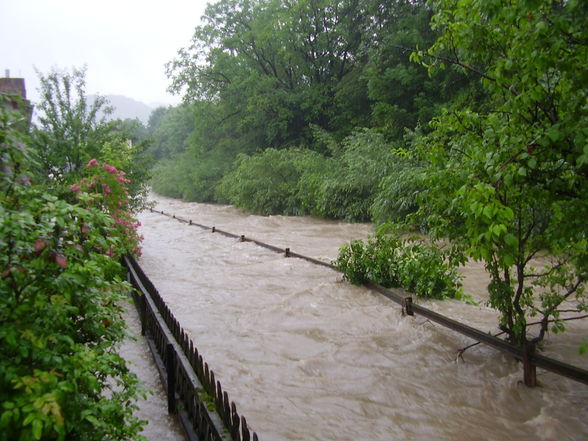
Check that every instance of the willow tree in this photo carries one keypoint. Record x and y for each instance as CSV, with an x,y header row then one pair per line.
x,y
508,179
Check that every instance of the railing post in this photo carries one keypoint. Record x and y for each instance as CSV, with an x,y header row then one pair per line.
x,y
529,369
143,314
171,378
407,306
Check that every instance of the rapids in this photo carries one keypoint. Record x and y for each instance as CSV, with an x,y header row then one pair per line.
x,y
307,356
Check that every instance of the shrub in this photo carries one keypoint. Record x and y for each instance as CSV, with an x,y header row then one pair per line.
x,y
60,319
269,182
348,191
412,264
398,193
106,190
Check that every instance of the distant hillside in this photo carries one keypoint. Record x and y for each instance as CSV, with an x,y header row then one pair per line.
x,y
125,107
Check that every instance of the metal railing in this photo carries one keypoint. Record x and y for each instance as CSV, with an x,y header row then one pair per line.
x,y
193,393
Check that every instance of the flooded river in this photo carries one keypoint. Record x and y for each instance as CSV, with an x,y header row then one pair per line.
x,y
307,356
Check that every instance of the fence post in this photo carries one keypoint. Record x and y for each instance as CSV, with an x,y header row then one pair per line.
x,y
171,378
407,307
143,314
529,369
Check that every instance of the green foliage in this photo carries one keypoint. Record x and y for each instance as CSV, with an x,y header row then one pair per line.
x,y
71,133
60,319
192,175
332,77
359,166
399,192
168,178
416,266
272,69
268,183
507,181
403,95
170,129
300,181
105,189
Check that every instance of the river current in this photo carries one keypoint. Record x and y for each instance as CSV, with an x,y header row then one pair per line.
x,y
307,356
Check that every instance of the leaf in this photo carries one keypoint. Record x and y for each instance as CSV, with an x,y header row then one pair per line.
x,y
554,133
37,429
510,240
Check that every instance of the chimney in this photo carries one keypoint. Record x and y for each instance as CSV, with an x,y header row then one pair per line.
x,y
7,73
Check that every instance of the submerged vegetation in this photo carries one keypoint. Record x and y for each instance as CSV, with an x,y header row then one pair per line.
x,y
412,264
463,120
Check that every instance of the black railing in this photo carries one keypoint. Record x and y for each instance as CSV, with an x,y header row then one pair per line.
x,y
204,409
527,354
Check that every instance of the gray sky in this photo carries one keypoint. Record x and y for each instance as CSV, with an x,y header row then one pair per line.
x,y
124,43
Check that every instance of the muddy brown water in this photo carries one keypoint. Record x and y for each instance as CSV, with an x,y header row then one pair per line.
x,y
307,356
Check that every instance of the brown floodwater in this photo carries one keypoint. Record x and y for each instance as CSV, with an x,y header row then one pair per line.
x,y
307,356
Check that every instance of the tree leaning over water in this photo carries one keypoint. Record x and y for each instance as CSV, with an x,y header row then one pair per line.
x,y
507,182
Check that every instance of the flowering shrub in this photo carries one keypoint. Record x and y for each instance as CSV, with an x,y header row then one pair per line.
x,y
61,322
106,189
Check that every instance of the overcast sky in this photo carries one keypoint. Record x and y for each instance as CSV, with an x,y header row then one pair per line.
x,y
124,43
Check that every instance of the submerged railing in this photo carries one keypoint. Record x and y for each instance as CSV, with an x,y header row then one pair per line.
x,y
203,407
530,359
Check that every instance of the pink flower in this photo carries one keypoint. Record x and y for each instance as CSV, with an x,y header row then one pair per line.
x,y
121,178
110,169
106,189
92,163
75,188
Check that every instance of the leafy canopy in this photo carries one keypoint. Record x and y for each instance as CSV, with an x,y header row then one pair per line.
x,y
507,180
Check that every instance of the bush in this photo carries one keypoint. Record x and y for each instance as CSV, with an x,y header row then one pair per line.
x,y
348,192
271,182
60,319
414,265
169,178
398,193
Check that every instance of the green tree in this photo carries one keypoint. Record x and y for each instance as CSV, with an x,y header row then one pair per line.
x,y
274,67
358,166
71,133
507,181
70,130
170,129
269,182
403,94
